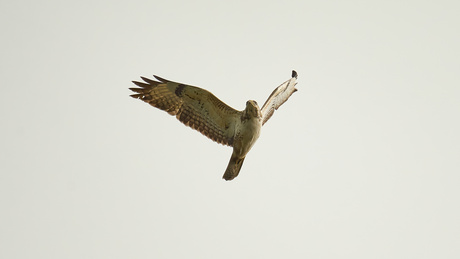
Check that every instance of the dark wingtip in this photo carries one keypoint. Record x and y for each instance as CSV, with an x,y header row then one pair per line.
x,y
150,81
137,90
136,96
294,74
161,79
143,85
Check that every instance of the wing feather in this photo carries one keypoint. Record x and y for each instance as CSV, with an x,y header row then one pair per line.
x,y
193,106
279,96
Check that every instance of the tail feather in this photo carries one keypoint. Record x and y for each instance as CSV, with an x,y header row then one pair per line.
x,y
233,168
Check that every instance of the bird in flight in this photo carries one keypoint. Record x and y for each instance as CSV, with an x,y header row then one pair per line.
x,y
204,112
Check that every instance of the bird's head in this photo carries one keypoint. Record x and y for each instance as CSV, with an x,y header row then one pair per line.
x,y
252,109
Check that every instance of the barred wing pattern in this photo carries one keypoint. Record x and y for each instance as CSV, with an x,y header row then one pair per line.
x,y
279,96
193,106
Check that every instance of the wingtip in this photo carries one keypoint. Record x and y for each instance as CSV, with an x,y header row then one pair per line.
x,y
136,96
294,73
162,80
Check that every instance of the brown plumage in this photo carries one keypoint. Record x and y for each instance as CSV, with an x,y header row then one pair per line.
x,y
204,112
193,106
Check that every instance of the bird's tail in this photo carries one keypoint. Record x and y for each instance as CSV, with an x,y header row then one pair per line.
x,y
233,168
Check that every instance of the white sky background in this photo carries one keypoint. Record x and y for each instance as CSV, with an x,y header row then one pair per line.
x,y
361,162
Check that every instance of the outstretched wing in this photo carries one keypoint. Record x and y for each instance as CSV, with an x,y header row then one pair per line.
x,y
193,106
280,95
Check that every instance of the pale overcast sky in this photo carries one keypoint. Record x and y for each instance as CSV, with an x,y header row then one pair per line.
x,y
361,162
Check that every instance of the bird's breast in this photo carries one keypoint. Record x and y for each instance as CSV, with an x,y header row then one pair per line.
x,y
248,133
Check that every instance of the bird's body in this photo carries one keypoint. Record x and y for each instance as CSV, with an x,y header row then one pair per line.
x,y
247,132
202,111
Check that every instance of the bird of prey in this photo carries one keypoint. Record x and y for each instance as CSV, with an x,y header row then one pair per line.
x,y
204,112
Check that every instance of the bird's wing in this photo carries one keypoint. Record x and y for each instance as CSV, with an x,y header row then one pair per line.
x,y
280,95
193,106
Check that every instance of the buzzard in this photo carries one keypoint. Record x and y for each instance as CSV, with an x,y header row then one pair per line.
x,y
204,112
